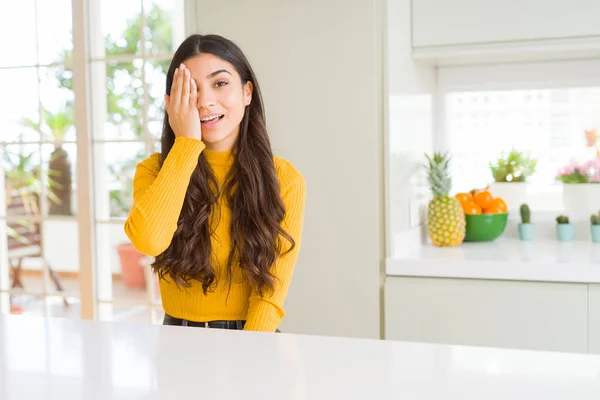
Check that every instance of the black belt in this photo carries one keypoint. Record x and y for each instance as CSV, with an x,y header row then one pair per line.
x,y
238,325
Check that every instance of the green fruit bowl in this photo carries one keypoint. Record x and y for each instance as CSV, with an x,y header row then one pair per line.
x,y
485,227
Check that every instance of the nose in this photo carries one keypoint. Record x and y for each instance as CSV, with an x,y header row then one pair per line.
x,y
206,98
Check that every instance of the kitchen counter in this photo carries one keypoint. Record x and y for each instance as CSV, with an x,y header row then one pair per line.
x,y
504,259
71,359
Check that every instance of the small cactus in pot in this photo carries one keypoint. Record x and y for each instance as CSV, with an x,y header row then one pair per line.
x,y
526,228
565,230
595,227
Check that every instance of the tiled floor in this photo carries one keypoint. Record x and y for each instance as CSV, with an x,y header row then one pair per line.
x,y
131,304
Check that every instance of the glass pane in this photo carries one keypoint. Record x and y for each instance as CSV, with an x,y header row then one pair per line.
x,y
54,25
156,76
164,28
21,304
551,124
57,99
62,266
20,111
124,101
60,307
17,27
123,273
21,266
121,26
25,267
114,170
59,163
22,186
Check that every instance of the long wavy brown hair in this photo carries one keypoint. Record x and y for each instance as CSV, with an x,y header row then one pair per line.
x,y
251,191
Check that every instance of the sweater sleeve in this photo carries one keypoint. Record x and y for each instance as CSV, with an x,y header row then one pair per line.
x,y
158,195
265,313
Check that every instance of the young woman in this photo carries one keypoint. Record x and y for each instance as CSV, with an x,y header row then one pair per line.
x,y
222,215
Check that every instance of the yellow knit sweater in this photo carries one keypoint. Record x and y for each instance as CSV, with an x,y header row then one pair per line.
x,y
158,196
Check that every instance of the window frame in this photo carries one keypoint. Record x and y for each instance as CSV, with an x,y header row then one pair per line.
x,y
506,77
87,33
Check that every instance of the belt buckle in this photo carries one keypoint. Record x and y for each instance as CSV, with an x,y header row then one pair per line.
x,y
206,325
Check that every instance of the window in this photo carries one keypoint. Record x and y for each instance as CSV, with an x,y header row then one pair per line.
x,y
131,44
549,123
38,162
488,110
130,62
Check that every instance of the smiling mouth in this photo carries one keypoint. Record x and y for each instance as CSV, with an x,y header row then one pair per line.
x,y
212,119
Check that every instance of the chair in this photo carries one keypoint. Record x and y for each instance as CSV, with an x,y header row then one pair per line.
x,y
25,238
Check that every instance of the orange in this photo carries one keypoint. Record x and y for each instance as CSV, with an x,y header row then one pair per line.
x,y
494,210
471,208
483,199
500,204
475,191
464,198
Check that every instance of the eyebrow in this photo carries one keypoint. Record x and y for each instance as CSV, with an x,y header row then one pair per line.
x,y
213,74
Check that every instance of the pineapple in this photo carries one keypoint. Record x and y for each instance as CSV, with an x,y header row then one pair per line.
x,y
446,219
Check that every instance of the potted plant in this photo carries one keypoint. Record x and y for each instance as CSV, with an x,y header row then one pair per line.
x,y
526,228
510,172
595,227
581,186
56,125
565,231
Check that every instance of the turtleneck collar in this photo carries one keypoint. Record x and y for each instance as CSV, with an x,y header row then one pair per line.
x,y
219,158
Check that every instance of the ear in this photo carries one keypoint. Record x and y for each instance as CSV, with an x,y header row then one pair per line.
x,y
248,88
167,101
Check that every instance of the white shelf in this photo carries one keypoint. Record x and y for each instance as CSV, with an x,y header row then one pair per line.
x,y
504,259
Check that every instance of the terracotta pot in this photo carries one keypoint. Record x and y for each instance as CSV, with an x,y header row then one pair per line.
x,y
132,269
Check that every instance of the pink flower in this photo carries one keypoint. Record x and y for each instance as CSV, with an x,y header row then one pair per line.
x,y
567,169
592,169
580,173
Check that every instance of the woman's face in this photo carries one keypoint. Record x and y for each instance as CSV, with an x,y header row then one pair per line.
x,y
220,94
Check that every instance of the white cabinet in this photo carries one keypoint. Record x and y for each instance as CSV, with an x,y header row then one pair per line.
x,y
510,314
594,319
469,22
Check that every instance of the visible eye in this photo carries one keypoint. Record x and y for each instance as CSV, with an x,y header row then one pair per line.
x,y
220,83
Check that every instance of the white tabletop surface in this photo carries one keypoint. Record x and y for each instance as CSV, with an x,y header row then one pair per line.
x,y
506,259
70,359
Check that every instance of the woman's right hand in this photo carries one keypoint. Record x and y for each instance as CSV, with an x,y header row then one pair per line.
x,y
182,107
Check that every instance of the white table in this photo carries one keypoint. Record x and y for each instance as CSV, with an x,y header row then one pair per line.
x,y
68,359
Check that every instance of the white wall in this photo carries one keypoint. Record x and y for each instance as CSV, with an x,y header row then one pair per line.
x,y
410,103
319,66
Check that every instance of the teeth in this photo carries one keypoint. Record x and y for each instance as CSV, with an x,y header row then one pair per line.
x,y
210,118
